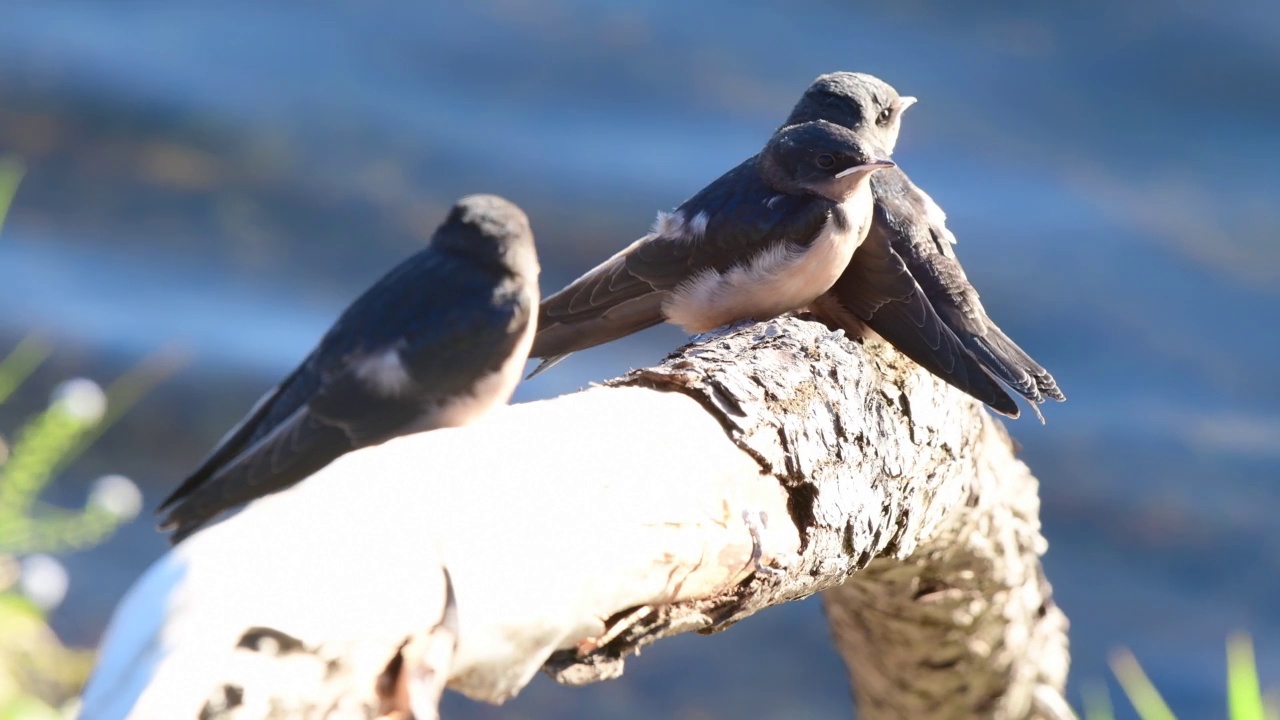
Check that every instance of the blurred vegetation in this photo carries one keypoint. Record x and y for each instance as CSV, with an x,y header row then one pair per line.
x,y
1245,700
39,676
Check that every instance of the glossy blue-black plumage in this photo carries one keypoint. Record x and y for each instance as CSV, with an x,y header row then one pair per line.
x,y
878,290
915,231
741,223
745,217
778,202
451,318
907,223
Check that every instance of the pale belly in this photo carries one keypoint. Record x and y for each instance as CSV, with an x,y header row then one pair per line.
x,y
775,282
492,390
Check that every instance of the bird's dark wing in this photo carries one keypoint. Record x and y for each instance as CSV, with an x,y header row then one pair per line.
x,y
745,218
445,324
742,217
605,304
455,327
271,411
877,290
916,228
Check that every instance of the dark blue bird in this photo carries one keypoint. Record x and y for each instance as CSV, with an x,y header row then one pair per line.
x,y
765,238
905,282
437,342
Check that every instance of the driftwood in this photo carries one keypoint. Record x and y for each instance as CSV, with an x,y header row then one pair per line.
x,y
754,468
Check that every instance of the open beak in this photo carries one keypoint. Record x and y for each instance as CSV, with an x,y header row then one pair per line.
x,y
875,164
906,101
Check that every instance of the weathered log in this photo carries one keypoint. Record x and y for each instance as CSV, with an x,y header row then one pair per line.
x,y
567,533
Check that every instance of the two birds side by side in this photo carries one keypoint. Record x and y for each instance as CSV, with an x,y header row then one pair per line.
x,y
903,283
820,219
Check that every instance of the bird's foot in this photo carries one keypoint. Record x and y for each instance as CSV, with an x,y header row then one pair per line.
x,y
732,327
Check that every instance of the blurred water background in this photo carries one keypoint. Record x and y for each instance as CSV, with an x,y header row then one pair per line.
x,y
222,178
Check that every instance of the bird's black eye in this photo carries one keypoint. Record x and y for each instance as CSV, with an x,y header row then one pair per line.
x,y
885,116
826,162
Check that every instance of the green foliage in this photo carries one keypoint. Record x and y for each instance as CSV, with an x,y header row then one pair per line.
x,y
1243,693
20,363
38,674
1097,702
52,440
11,171
1138,687
1245,700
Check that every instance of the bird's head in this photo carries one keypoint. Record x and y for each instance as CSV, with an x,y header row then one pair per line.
x,y
821,158
863,103
492,231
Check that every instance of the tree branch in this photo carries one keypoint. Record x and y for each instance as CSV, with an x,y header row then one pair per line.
x,y
576,530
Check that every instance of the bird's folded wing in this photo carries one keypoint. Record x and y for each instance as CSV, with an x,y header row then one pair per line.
x,y
729,223
917,230
398,350
351,333
295,449
877,290
274,408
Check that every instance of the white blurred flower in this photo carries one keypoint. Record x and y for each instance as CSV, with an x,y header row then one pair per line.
x,y
83,398
117,495
44,581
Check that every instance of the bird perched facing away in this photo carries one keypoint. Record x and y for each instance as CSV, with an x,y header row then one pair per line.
x,y
905,282
765,238
437,342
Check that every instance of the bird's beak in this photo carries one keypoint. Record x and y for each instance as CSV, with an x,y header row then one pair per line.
x,y
906,101
875,164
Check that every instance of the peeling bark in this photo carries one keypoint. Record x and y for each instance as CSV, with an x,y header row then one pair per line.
x,y
914,515
839,465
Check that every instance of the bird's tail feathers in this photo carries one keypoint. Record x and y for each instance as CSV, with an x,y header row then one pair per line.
x,y
547,364
1012,365
299,448
557,339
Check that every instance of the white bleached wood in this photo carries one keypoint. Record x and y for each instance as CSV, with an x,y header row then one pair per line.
x,y
544,537
578,529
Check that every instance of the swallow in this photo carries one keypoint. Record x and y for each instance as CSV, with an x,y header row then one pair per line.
x,y
905,283
437,342
763,239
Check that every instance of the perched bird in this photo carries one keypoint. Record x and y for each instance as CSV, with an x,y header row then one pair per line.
x,y
905,282
765,238
437,342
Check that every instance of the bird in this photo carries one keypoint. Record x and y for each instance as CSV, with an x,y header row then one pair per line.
x,y
763,239
437,342
906,283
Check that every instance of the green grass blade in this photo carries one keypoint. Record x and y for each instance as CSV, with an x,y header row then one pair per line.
x,y
1097,702
55,530
11,171
36,450
18,365
125,392
1243,694
50,442
1138,688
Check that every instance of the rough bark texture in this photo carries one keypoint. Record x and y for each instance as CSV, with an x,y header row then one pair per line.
x,y
914,516
965,627
852,470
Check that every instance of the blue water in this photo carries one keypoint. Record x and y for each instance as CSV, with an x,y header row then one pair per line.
x,y
226,176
